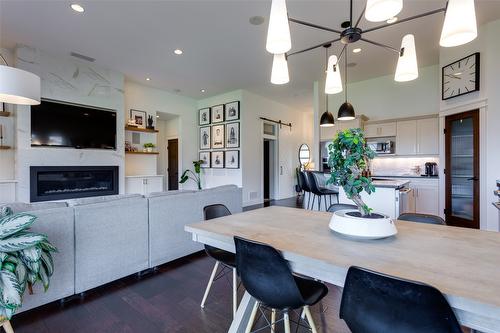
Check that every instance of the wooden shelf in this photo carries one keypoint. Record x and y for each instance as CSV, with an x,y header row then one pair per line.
x,y
4,114
142,152
137,129
5,147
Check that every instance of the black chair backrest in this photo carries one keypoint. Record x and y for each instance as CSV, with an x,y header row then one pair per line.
x,y
422,218
335,207
378,303
266,275
215,211
313,183
304,182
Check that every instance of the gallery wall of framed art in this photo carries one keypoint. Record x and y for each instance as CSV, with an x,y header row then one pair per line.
x,y
219,136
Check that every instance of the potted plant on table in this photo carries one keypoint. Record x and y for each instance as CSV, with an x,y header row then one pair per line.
x,y
348,157
149,147
25,259
194,176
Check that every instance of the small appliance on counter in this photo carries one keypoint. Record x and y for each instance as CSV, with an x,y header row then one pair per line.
x,y
431,169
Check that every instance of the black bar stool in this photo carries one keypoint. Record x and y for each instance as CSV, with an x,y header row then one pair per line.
x,y
306,187
268,278
422,218
377,303
319,191
338,206
227,259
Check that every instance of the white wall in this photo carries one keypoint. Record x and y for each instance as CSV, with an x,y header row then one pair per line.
x,y
488,101
71,80
153,100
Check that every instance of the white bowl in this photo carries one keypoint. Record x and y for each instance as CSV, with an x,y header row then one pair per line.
x,y
362,227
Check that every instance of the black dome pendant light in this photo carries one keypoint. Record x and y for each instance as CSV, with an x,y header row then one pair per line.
x,y
327,119
346,110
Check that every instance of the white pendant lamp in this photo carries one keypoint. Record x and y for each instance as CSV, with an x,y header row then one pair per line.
x,y
407,68
382,10
460,26
333,84
18,86
278,33
279,73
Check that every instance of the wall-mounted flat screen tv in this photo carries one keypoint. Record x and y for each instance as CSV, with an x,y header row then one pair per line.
x,y
56,124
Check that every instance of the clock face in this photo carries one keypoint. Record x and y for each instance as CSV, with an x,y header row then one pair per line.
x,y
461,77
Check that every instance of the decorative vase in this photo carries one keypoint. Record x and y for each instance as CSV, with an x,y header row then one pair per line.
x,y
350,223
149,149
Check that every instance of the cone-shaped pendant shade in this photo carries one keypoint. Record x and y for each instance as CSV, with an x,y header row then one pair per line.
x,y
279,72
346,112
18,86
460,26
278,32
407,68
333,84
327,119
382,10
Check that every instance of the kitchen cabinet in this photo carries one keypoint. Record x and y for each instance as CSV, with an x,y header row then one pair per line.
x,y
380,130
406,140
328,133
428,136
426,193
143,184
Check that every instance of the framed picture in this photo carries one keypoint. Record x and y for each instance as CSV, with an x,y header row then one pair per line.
x,y
232,111
204,116
217,136
205,138
139,117
233,135
232,159
217,114
217,159
205,157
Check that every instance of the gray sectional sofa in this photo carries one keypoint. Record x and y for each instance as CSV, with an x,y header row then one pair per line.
x,y
102,239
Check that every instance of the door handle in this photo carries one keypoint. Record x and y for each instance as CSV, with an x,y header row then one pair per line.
x,y
473,178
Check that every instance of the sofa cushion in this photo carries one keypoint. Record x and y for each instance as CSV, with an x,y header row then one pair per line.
x,y
101,199
167,193
18,207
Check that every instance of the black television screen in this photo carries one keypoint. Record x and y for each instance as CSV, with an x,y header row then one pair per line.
x,y
56,124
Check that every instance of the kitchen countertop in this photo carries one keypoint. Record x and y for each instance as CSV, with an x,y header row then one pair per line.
x,y
408,176
496,204
393,183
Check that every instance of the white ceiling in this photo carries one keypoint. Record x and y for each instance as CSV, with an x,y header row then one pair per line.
x,y
222,50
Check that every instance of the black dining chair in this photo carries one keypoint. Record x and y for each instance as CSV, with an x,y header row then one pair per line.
x,y
267,276
422,218
225,258
340,206
377,303
306,187
320,191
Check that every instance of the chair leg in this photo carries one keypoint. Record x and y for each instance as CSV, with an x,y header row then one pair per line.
x,y
310,319
319,203
326,208
286,322
273,320
337,198
7,327
212,276
235,292
314,197
252,317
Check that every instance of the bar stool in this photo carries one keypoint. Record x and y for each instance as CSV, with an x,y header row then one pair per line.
x,y
422,218
377,303
304,181
320,192
338,206
227,259
268,278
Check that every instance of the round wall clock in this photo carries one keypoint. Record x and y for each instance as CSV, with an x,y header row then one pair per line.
x,y
460,77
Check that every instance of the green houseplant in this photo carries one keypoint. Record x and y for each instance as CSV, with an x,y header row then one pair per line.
x,y
25,259
194,176
149,147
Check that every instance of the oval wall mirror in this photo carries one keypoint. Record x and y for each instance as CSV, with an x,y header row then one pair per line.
x,y
304,154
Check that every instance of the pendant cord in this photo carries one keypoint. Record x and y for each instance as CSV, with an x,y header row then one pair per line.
x,y
1,56
345,72
326,72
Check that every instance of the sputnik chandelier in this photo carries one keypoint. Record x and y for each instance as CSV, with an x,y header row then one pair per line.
x,y
459,28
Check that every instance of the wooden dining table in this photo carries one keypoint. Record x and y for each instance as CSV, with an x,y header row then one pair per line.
x,y
464,264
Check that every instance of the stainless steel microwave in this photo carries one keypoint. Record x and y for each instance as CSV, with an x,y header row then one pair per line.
x,y
382,146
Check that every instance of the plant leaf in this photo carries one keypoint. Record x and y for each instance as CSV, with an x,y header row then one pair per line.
x,y
21,241
32,254
9,225
11,290
47,246
5,211
48,263
44,277
22,276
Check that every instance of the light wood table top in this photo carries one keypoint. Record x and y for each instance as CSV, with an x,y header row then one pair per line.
x,y
464,264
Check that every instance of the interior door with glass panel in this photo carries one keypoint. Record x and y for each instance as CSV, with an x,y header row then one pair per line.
x,y
462,169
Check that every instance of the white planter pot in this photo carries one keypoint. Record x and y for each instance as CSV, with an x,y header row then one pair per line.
x,y
361,227
149,149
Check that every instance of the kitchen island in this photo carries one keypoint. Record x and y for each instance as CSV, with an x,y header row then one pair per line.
x,y
391,197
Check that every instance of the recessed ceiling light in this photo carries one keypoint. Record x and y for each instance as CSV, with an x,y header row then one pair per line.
x,y
178,51
157,116
256,20
77,8
392,20
356,50
202,90
148,79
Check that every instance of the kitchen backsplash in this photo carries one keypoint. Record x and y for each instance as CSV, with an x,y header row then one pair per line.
x,y
400,166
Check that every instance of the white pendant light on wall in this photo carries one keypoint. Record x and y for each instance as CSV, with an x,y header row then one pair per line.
x,y
407,68
382,10
333,84
279,72
460,26
278,33
18,86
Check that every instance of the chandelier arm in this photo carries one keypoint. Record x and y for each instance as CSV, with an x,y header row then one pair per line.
x,y
387,47
312,25
1,56
350,13
360,17
432,12
313,47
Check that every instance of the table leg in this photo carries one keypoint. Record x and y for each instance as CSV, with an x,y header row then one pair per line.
x,y
243,313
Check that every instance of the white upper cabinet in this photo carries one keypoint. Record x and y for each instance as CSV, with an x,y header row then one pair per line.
x,y
406,140
380,130
428,136
329,133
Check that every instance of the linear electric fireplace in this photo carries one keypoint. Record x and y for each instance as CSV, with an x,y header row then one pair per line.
x,y
68,182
